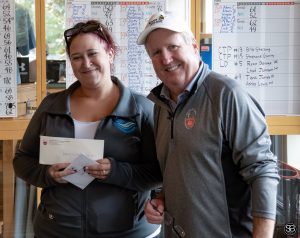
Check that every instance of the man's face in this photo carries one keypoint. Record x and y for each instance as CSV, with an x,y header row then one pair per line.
x,y
174,60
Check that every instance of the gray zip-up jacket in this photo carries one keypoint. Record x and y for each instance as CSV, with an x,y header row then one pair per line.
x,y
105,208
214,152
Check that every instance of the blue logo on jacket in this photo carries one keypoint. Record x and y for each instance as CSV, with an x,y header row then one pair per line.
x,y
125,126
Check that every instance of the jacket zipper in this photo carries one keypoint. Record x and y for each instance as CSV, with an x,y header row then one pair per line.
x,y
172,125
171,117
83,216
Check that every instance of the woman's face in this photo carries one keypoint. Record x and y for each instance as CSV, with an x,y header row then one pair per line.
x,y
90,60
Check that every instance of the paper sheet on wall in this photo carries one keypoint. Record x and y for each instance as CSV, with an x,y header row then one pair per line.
x,y
8,62
125,19
257,43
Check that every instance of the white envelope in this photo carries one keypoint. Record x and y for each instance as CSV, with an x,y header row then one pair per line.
x,y
64,150
80,178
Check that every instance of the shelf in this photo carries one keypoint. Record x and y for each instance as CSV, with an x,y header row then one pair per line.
x,y
284,125
13,128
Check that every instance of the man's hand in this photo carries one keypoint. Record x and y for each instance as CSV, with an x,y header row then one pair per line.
x,y
263,227
154,211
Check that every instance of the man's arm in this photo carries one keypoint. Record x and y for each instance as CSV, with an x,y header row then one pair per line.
x,y
263,227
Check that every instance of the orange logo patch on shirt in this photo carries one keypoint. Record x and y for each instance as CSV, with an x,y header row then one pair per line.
x,y
190,119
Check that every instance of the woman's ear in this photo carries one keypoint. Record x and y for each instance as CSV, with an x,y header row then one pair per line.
x,y
111,54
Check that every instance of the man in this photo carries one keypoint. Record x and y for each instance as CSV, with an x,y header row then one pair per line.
x,y
219,176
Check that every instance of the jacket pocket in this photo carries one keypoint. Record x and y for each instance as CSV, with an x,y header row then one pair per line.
x,y
48,224
115,213
54,217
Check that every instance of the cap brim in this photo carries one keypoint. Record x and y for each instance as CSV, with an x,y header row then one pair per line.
x,y
143,36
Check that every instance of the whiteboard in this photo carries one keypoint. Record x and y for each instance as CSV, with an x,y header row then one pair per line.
x,y
125,19
8,63
258,44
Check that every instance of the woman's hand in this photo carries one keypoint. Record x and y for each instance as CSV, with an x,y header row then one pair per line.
x,y
58,171
101,170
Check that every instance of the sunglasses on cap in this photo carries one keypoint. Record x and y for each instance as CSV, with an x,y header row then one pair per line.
x,y
85,28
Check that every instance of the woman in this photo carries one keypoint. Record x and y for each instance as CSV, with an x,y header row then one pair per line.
x,y
96,106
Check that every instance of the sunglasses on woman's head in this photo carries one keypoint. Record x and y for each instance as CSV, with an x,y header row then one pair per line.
x,y
85,28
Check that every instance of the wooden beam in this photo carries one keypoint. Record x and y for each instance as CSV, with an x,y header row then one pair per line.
x,y
40,50
8,187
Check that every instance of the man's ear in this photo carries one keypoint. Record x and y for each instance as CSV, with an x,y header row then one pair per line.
x,y
195,45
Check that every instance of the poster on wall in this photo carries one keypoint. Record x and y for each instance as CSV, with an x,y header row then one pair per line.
x,y
8,63
125,19
257,43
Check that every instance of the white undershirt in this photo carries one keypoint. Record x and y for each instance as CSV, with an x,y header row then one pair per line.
x,y
85,130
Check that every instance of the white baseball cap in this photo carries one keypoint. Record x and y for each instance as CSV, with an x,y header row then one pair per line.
x,y
166,20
